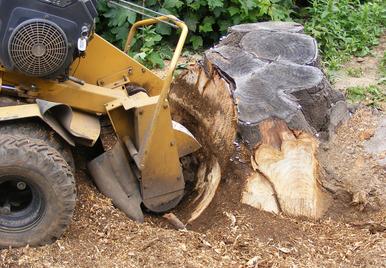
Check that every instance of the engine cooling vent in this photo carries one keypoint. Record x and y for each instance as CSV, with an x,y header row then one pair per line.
x,y
38,47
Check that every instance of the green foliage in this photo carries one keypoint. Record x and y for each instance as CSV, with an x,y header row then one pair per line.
x,y
207,20
345,27
371,95
354,72
342,27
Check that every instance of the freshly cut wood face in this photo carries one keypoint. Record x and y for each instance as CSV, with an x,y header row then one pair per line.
x,y
206,188
262,85
287,178
259,193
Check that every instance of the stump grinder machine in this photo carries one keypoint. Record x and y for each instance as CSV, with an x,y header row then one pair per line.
x,y
60,85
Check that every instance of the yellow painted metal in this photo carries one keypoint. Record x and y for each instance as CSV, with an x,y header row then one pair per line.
x,y
154,124
104,64
61,118
87,97
19,111
83,126
145,120
161,174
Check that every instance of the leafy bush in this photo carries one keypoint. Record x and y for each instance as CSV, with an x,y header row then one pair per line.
x,y
207,20
342,27
345,27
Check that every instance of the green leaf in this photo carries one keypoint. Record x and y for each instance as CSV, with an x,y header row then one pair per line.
x,y
170,4
163,29
233,10
191,21
155,59
196,41
207,25
215,3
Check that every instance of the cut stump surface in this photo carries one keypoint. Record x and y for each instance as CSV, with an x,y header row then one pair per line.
x,y
262,84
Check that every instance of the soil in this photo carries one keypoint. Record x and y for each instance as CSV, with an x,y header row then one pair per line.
x,y
229,234
367,68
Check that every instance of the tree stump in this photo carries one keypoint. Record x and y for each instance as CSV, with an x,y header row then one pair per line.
x,y
263,83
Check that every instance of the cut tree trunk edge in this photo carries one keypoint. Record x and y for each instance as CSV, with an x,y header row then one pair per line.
x,y
279,183
277,101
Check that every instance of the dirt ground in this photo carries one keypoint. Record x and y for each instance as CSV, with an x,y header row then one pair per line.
x,y
229,234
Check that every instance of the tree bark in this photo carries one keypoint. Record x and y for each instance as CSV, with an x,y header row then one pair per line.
x,y
262,83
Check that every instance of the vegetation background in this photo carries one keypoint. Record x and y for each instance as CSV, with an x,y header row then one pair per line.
x,y
342,27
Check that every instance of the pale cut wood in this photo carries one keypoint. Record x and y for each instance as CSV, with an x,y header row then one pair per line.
x,y
262,84
206,190
260,194
176,222
289,162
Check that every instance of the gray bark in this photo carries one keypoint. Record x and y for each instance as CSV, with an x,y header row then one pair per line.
x,y
236,33
272,69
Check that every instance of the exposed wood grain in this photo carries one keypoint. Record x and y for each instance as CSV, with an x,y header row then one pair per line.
x,y
263,82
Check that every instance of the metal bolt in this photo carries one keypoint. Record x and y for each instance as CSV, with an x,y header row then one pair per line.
x,y
5,210
166,106
140,112
172,144
21,186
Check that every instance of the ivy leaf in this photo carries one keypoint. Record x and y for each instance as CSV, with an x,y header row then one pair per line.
x,y
155,59
233,11
196,41
215,3
191,21
163,29
170,4
207,25
118,16
224,25
195,5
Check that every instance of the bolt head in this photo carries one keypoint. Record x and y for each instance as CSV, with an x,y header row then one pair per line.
x,y
21,185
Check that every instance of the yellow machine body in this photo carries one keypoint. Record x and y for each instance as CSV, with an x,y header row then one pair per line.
x,y
152,142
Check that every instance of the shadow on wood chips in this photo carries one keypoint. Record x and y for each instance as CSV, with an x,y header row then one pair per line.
x,y
228,234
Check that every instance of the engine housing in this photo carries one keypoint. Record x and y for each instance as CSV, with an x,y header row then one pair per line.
x,y
40,38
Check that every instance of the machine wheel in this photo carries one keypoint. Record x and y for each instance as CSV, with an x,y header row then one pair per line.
x,y
37,192
35,129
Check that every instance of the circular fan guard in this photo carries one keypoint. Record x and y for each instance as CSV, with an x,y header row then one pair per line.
x,y
38,47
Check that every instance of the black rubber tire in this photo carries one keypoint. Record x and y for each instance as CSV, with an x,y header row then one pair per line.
x,y
44,168
36,129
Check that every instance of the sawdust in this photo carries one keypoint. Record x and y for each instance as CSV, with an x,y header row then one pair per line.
x,y
101,236
229,234
355,177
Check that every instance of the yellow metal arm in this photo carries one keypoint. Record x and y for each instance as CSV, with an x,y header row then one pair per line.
x,y
177,53
162,103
